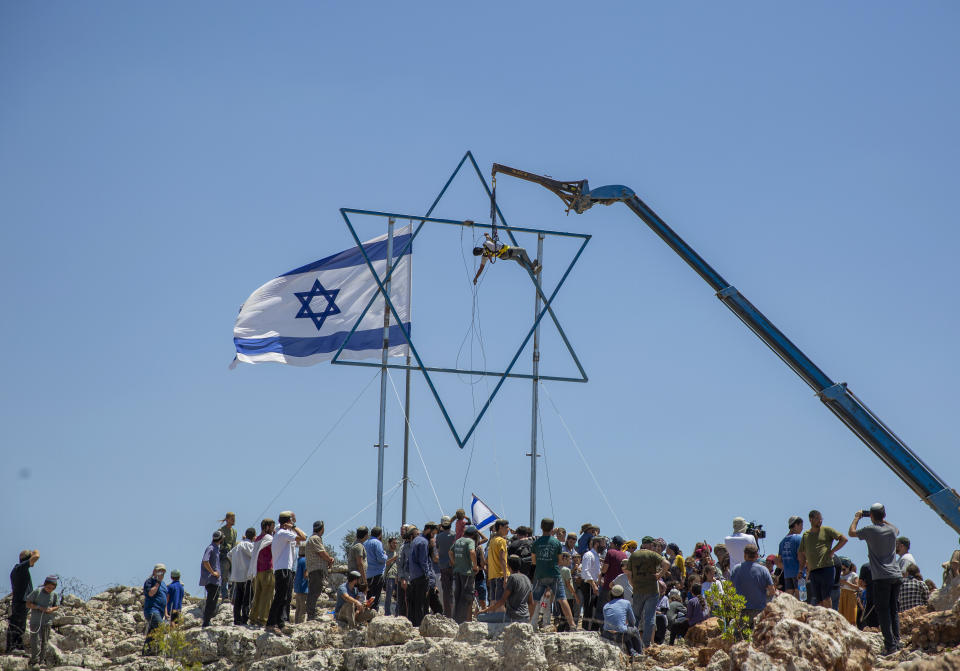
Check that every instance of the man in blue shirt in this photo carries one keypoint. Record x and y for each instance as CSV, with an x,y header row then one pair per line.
x,y
787,558
422,578
174,596
753,581
210,577
376,565
620,623
154,605
349,610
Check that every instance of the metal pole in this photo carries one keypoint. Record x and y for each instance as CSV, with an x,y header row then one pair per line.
x,y
383,377
406,404
536,381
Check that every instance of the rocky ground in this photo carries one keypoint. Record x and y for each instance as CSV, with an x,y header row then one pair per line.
x,y
105,633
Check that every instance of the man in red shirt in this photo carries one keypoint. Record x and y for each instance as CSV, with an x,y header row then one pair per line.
x,y
611,568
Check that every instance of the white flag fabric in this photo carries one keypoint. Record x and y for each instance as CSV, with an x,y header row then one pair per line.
x,y
304,316
481,514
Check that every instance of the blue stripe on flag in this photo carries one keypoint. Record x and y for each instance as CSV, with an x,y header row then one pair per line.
x,y
486,522
303,347
377,251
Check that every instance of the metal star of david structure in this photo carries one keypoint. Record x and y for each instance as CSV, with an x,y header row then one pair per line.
x,y
426,370
306,312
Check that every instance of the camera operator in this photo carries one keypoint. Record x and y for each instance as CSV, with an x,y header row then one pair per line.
x,y
881,538
736,543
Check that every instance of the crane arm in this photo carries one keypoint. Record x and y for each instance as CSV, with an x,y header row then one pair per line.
x,y
842,402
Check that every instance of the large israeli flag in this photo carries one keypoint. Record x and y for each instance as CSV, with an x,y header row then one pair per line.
x,y
304,316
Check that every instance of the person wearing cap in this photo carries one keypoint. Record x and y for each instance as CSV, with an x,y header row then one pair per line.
x,y
620,622
497,568
587,532
262,562
284,552
516,600
376,565
210,576
646,567
174,597
545,557
154,605
462,559
357,556
735,543
350,610
816,555
318,565
407,533
240,557
43,602
422,577
227,544
444,542
881,538
787,558
21,584
904,558
590,588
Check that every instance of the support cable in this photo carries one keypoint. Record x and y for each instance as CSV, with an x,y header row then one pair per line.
x,y
416,444
315,449
366,507
546,464
585,463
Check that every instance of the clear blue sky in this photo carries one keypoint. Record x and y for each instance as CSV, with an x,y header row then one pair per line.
x,y
159,162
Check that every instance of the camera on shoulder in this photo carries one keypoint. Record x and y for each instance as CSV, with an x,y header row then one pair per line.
x,y
756,530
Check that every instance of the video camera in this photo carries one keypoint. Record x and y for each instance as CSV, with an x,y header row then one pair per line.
x,y
756,530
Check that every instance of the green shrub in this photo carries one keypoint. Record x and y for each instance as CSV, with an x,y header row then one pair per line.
x,y
727,606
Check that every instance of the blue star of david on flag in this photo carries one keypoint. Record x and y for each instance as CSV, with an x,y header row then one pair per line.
x,y
305,297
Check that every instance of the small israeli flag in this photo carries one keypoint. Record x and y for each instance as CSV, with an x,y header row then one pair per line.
x,y
304,316
481,514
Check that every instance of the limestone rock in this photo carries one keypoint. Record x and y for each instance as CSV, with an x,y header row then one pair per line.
x,y
472,632
522,649
438,626
669,655
719,662
585,650
937,628
791,634
699,634
447,655
946,597
390,631
271,645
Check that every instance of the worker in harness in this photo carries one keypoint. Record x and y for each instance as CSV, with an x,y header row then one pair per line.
x,y
494,249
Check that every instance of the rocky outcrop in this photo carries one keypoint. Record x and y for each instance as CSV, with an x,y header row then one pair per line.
x,y
947,597
105,634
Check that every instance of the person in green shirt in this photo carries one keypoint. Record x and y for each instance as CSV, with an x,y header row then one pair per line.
x,y
229,540
43,604
816,555
463,557
544,556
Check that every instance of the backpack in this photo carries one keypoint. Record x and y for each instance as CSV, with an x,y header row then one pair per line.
x,y
523,548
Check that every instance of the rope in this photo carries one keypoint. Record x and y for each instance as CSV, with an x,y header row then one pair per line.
x,y
546,464
584,460
366,507
493,207
416,444
319,445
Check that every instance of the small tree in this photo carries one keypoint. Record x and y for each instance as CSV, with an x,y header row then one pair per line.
x,y
727,606
167,640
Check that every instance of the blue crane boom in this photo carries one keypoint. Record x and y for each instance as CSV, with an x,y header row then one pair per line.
x,y
842,402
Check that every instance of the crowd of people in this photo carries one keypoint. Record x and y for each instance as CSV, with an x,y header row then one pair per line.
x,y
634,593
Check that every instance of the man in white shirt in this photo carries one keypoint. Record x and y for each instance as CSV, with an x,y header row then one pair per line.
x,y
737,542
284,550
904,556
241,557
590,589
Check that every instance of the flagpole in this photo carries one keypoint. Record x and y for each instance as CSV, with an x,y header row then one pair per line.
x,y
406,404
536,400
383,375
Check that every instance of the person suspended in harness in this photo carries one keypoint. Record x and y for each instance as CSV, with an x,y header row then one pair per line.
x,y
494,249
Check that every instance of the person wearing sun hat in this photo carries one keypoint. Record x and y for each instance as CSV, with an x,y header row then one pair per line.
x,y
174,596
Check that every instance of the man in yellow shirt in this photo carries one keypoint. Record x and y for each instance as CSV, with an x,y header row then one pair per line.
x,y
497,569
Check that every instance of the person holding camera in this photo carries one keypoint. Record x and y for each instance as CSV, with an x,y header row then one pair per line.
x,y
154,605
881,538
